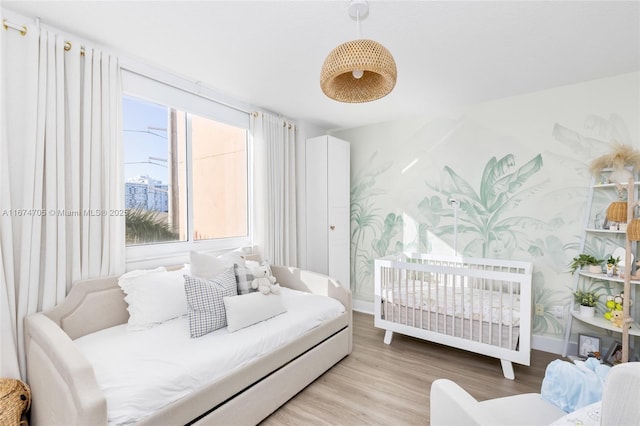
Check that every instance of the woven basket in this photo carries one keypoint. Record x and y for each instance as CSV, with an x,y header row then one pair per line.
x,y
633,230
617,211
15,399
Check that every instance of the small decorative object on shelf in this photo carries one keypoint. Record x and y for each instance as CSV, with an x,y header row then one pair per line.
x,y
620,157
633,229
616,213
588,260
587,301
615,309
588,346
612,263
614,354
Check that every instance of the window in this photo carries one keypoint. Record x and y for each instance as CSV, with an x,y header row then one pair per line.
x,y
186,169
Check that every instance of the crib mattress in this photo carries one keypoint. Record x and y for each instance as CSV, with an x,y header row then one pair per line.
x,y
143,371
462,302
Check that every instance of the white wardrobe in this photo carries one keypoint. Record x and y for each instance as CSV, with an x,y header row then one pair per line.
x,y
327,185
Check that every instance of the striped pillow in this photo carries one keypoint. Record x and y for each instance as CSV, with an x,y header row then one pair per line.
x,y
205,300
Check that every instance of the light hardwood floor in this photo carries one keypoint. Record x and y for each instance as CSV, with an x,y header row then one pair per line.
x,y
382,384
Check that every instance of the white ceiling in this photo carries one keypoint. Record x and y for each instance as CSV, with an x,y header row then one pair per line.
x,y
448,53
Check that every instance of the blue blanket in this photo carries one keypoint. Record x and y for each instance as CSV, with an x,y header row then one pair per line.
x,y
573,385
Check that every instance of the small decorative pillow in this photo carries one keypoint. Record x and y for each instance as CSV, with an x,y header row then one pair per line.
x,y
244,276
153,296
205,298
249,309
206,265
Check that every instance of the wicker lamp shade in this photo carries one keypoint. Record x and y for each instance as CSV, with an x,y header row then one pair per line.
x,y
633,230
617,211
337,78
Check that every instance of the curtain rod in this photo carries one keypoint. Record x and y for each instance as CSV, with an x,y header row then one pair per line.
x,y
23,31
6,24
184,89
67,46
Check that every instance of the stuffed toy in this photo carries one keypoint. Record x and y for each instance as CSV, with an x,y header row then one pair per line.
x,y
614,306
263,281
617,318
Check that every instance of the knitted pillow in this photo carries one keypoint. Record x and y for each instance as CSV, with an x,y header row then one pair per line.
x,y
244,276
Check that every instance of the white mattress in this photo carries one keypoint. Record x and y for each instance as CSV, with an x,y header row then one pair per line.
x,y
143,371
461,302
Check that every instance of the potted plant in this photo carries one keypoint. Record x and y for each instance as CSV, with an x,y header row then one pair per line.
x,y
587,301
612,262
588,260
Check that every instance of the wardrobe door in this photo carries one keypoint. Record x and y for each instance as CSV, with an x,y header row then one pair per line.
x,y
339,207
328,207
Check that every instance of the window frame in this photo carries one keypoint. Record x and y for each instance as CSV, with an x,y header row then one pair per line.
x,y
152,89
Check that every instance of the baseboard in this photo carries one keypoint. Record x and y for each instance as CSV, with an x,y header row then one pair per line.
x,y
552,345
362,306
539,343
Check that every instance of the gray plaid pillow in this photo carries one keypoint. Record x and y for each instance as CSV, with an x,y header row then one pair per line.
x,y
206,306
244,277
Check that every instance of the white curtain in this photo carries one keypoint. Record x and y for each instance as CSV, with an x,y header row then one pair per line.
x,y
274,202
62,181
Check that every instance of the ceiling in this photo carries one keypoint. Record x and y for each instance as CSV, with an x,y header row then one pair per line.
x,y
448,53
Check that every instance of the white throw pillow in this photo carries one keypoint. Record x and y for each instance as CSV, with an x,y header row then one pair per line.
x,y
210,265
248,309
153,296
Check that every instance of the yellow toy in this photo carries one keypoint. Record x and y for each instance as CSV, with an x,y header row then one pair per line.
x,y
614,306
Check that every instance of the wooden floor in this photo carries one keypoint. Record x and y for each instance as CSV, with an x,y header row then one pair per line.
x,y
382,384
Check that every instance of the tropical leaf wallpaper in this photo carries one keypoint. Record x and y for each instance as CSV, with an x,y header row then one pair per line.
x,y
507,179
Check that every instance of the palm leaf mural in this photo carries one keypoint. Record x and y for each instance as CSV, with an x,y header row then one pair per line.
x,y
366,222
484,213
547,322
392,228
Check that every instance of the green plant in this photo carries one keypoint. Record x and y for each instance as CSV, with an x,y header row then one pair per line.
x,y
145,226
586,298
583,260
613,261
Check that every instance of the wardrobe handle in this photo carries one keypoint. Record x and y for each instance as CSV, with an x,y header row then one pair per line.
x,y
332,227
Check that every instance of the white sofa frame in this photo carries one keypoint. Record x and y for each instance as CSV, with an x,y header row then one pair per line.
x,y
65,390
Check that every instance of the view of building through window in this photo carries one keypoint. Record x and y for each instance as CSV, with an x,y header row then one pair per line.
x,y
169,197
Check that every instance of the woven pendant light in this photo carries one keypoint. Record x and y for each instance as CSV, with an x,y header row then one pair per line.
x,y
360,70
617,211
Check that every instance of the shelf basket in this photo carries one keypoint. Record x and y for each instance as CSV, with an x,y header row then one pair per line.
x,y
617,211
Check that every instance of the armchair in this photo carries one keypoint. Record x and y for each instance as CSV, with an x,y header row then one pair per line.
x,y
451,405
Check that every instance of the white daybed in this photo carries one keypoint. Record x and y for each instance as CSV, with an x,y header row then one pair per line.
x,y
66,391
480,305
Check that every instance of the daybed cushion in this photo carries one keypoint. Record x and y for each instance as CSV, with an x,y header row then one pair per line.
x,y
205,300
153,296
142,372
248,309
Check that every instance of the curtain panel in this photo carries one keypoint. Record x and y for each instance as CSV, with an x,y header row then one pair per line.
x,y
274,200
62,180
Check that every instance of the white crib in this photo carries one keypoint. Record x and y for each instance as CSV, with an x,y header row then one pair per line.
x,y
479,305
